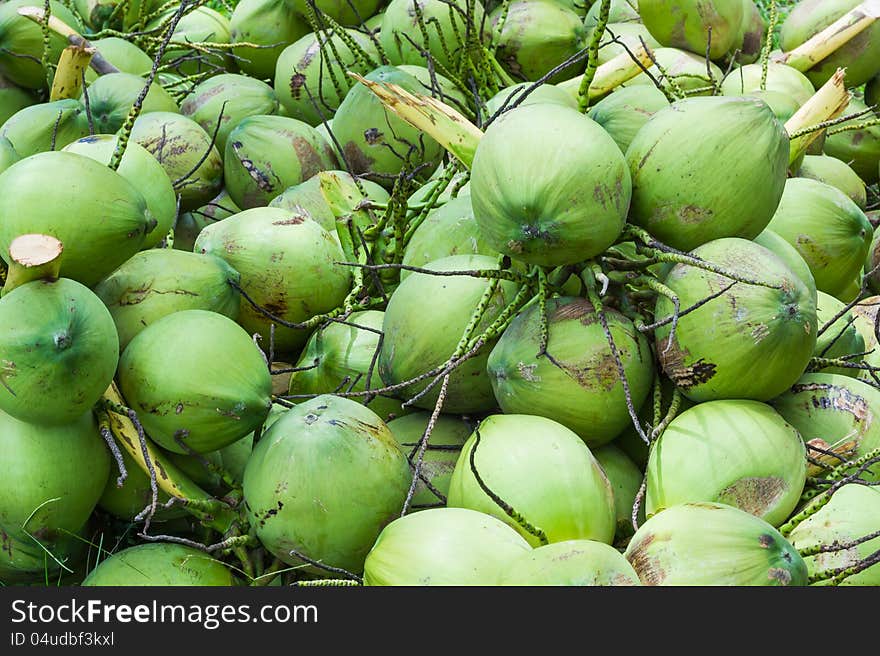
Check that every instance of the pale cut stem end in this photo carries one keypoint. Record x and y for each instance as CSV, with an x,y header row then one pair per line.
x,y
32,257
827,103
619,70
69,74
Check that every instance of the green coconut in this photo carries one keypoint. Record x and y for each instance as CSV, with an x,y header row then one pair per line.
x,y
21,42
450,229
197,377
224,100
860,56
160,564
46,126
570,563
750,39
288,265
783,107
836,413
570,210
424,322
98,215
574,500
123,54
532,38
190,224
626,35
713,544
440,455
186,152
678,192
269,24
161,281
788,254
842,338
514,95
12,99
623,113
746,80
576,382
375,142
52,479
142,170
859,149
265,155
112,95
852,514
749,342
836,173
201,25
411,27
827,228
292,489
8,156
626,480
693,25
309,72
342,357
682,70
443,546
740,453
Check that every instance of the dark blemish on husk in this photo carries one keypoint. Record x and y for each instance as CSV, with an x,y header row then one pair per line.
x,y
779,574
765,540
310,418
358,160
262,179
754,494
645,565
579,308
297,82
309,158
845,401
694,214
293,220
372,136
5,543
178,409
672,359
647,155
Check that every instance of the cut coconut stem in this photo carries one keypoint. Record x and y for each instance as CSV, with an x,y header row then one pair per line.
x,y
32,257
100,65
836,35
827,103
68,79
613,73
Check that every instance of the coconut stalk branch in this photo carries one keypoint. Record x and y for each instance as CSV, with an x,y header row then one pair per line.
x,y
32,257
613,73
827,103
68,81
593,59
833,37
100,65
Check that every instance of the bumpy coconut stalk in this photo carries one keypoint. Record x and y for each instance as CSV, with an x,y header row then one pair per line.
x,y
827,103
32,257
69,74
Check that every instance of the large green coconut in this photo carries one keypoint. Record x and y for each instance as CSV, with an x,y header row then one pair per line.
x,y
686,192
713,544
160,564
161,281
569,498
21,42
836,173
98,215
12,99
123,54
52,478
623,113
440,455
532,38
694,25
827,228
270,24
288,265
568,210
443,546
197,377
746,80
450,229
570,563
190,224
576,382
740,453
424,323
343,357
265,155
112,95
142,170
837,414
860,56
323,481
410,27
749,342
374,140
852,514
680,69
8,155
186,152
46,126
309,71
201,25
626,480
788,254
842,338
860,149
224,100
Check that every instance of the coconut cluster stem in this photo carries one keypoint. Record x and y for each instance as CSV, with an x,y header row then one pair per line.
x,y
593,58
827,103
32,257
